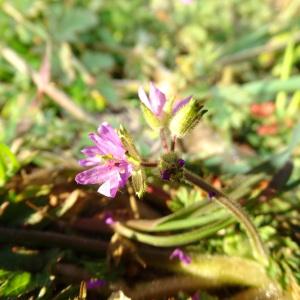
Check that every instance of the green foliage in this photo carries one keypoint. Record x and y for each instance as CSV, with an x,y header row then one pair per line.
x,y
9,164
236,54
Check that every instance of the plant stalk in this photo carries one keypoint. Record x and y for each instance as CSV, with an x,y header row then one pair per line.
x,y
259,250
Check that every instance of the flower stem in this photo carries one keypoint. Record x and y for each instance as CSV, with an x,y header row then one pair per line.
x,y
173,143
259,250
164,140
149,164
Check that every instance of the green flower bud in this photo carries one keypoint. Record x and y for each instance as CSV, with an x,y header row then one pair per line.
x,y
139,182
128,144
187,118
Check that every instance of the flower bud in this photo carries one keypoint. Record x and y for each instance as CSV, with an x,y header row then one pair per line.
x,y
187,118
139,182
171,167
152,120
138,173
128,144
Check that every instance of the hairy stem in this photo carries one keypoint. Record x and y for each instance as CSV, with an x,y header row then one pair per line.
x,y
149,164
173,143
259,250
164,140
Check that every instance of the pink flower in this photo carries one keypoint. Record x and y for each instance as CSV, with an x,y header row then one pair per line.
x,y
157,100
178,253
110,167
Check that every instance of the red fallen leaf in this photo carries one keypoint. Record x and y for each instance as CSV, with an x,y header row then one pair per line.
x,y
262,109
264,130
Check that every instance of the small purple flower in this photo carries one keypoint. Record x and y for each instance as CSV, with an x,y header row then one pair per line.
x,y
178,253
108,219
157,100
180,162
108,160
94,283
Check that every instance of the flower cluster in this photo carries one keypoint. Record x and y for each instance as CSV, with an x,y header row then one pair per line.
x,y
113,158
179,116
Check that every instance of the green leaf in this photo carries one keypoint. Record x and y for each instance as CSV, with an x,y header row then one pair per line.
x,y
14,283
96,62
8,164
67,23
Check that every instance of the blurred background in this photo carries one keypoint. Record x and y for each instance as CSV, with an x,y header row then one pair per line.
x,y
66,66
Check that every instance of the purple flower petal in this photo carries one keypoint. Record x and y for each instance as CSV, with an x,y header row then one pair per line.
x,y
90,161
144,98
180,103
90,151
107,147
110,187
125,171
178,253
110,166
108,133
157,99
95,175
94,283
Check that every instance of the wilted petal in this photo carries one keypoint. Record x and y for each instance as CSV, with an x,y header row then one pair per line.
x,y
180,103
157,99
95,175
